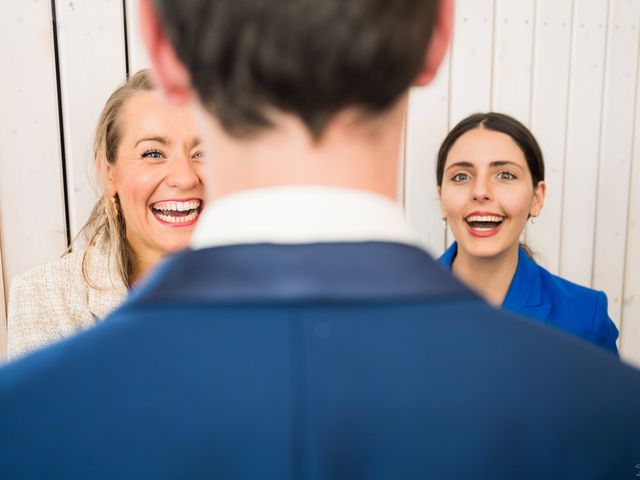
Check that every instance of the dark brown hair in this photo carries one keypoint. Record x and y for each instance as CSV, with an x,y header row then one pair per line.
x,y
498,122
310,58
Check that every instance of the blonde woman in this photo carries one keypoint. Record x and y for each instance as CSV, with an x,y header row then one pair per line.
x,y
148,160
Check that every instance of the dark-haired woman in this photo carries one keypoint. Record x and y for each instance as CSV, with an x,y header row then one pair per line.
x,y
490,174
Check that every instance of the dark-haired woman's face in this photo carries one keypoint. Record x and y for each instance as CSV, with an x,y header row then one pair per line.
x,y
487,193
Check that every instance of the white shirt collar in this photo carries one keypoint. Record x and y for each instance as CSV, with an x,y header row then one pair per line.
x,y
301,214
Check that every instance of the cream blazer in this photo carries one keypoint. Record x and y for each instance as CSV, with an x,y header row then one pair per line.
x,y
53,301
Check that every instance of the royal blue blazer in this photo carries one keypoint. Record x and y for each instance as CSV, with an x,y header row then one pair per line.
x,y
537,293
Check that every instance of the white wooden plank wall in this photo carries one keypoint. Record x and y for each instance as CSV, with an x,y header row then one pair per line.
x,y
83,29
427,124
630,335
567,68
548,119
583,140
3,310
138,58
32,221
616,146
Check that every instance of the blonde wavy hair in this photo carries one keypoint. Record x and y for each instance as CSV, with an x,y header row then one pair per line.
x,y
106,218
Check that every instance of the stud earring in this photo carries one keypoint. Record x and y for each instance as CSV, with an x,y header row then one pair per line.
x,y
444,223
533,220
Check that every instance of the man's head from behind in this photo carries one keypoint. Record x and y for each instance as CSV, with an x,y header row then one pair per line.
x,y
247,59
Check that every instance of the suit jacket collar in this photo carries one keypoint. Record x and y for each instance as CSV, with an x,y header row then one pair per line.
x,y
525,294
271,273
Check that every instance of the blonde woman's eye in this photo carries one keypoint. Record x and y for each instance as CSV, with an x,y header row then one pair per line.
x,y
198,154
459,177
152,154
506,176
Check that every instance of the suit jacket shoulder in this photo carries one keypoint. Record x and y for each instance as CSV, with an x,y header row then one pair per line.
x,y
316,361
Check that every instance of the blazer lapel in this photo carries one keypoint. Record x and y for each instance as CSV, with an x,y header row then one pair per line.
x,y
526,295
447,257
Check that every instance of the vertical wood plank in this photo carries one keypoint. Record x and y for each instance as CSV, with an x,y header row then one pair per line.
x,y
138,58
512,58
583,140
630,328
32,221
427,125
471,55
87,79
615,152
552,53
3,314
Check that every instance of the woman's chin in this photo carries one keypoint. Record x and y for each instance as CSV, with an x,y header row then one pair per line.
x,y
485,249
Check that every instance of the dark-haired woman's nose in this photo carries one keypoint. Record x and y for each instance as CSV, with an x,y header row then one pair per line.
x,y
480,192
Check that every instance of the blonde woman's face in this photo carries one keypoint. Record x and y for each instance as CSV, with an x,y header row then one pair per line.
x,y
157,175
487,193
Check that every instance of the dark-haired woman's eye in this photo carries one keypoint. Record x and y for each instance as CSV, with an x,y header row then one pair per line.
x,y
506,176
459,177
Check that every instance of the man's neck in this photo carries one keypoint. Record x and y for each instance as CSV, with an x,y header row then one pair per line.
x,y
353,152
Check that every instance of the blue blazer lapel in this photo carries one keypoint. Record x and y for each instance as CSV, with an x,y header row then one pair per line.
x,y
447,257
526,295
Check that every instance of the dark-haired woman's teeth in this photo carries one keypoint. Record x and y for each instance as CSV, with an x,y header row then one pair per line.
x,y
484,218
484,223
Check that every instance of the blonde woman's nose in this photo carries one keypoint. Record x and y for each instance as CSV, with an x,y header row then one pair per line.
x,y
182,174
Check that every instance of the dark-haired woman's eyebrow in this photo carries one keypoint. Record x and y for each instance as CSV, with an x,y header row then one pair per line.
x,y
505,163
460,165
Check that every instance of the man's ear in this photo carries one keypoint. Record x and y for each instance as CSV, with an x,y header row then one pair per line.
x,y
438,43
169,74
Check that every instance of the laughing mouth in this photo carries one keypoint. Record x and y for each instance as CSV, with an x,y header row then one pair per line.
x,y
176,211
484,223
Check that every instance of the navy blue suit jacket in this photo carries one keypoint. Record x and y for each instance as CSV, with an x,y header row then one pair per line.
x,y
537,293
325,361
